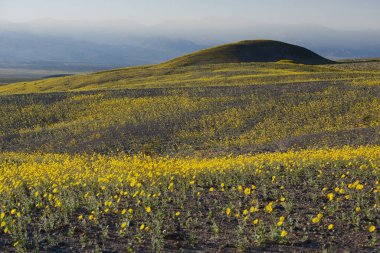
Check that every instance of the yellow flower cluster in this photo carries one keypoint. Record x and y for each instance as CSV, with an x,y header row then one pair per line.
x,y
131,187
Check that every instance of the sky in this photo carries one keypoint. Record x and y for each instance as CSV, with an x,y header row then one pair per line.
x,y
336,14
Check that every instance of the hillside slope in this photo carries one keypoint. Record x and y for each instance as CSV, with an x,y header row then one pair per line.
x,y
231,74
208,109
251,51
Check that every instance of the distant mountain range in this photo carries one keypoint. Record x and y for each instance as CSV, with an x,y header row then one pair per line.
x,y
31,51
87,46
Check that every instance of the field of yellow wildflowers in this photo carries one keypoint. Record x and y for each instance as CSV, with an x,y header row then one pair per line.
x,y
219,158
311,200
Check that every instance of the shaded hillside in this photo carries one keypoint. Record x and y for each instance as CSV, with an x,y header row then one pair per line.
x,y
251,51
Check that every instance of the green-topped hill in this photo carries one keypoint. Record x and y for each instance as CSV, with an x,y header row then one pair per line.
x,y
250,51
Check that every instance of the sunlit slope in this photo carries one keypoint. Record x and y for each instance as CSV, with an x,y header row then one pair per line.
x,y
232,74
228,119
250,51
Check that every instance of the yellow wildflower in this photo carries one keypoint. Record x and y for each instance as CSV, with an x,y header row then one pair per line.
x,y
330,196
281,221
359,187
228,211
269,208
284,233
372,229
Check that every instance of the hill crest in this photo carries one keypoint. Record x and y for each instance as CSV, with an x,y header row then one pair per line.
x,y
250,51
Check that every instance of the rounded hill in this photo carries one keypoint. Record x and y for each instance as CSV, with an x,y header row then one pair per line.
x,y
251,51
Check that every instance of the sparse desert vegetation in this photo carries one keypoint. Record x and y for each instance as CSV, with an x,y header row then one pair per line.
x,y
228,157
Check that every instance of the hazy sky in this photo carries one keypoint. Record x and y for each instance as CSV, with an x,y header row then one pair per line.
x,y
341,14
